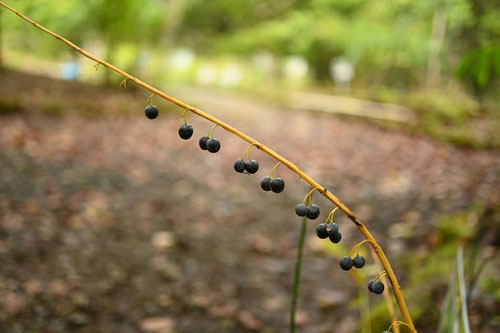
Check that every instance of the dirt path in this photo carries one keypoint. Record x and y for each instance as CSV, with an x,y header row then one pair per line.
x,y
110,223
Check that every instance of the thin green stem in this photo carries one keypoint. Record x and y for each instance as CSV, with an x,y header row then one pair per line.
x,y
296,278
356,247
247,152
150,99
274,170
308,195
381,275
330,216
211,130
184,116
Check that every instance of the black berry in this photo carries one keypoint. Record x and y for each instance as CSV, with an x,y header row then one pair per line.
x,y
203,142
151,111
346,263
301,210
335,238
265,183
378,287
333,228
359,261
252,166
313,212
321,231
277,185
186,131
213,145
239,166
370,284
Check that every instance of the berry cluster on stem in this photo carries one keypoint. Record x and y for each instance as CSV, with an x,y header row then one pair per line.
x,y
251,167
214,146
311,211
273,183
347,262
376,286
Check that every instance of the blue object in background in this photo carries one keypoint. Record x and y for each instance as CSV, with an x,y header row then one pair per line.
x,y
70,70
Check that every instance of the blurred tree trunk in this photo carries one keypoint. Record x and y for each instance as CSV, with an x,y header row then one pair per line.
x,y
436,42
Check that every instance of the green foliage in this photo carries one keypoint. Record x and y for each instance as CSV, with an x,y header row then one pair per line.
x,y
10,106
479,66
388,42
51,107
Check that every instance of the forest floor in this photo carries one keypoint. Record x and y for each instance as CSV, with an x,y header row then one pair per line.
x,y
109,222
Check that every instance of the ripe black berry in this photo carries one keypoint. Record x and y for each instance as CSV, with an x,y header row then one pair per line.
x,y
203,142
252,166
335,238
359,261
301,210
213,145
346,263
151,111
333,228
321,231
313,212
265,183
277,185
186,131
239,166
370,284
378,287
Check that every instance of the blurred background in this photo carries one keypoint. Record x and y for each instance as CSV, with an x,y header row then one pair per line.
x,y
109,223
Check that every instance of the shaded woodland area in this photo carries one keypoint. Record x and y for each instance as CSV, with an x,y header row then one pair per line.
x,y
109,222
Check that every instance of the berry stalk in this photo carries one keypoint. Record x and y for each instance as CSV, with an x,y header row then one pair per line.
x,y
330,196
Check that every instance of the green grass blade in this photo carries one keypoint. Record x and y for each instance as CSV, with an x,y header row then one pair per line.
x,y
447,313
461,288
296,279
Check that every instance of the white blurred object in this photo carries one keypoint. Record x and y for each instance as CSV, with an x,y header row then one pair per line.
x,y
231,75
264,61
181,59
296,68
206,75
342,73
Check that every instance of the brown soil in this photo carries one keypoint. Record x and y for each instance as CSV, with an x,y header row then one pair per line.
x,y
111,223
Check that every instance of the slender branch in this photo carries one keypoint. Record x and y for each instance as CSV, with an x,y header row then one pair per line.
x,y
378,250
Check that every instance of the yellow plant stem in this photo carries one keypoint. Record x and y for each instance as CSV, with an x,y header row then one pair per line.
x,y
330,196
330,216
211,130
356,247
381,275
247,152
308,195
150,98
273,170
184,117
395,326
